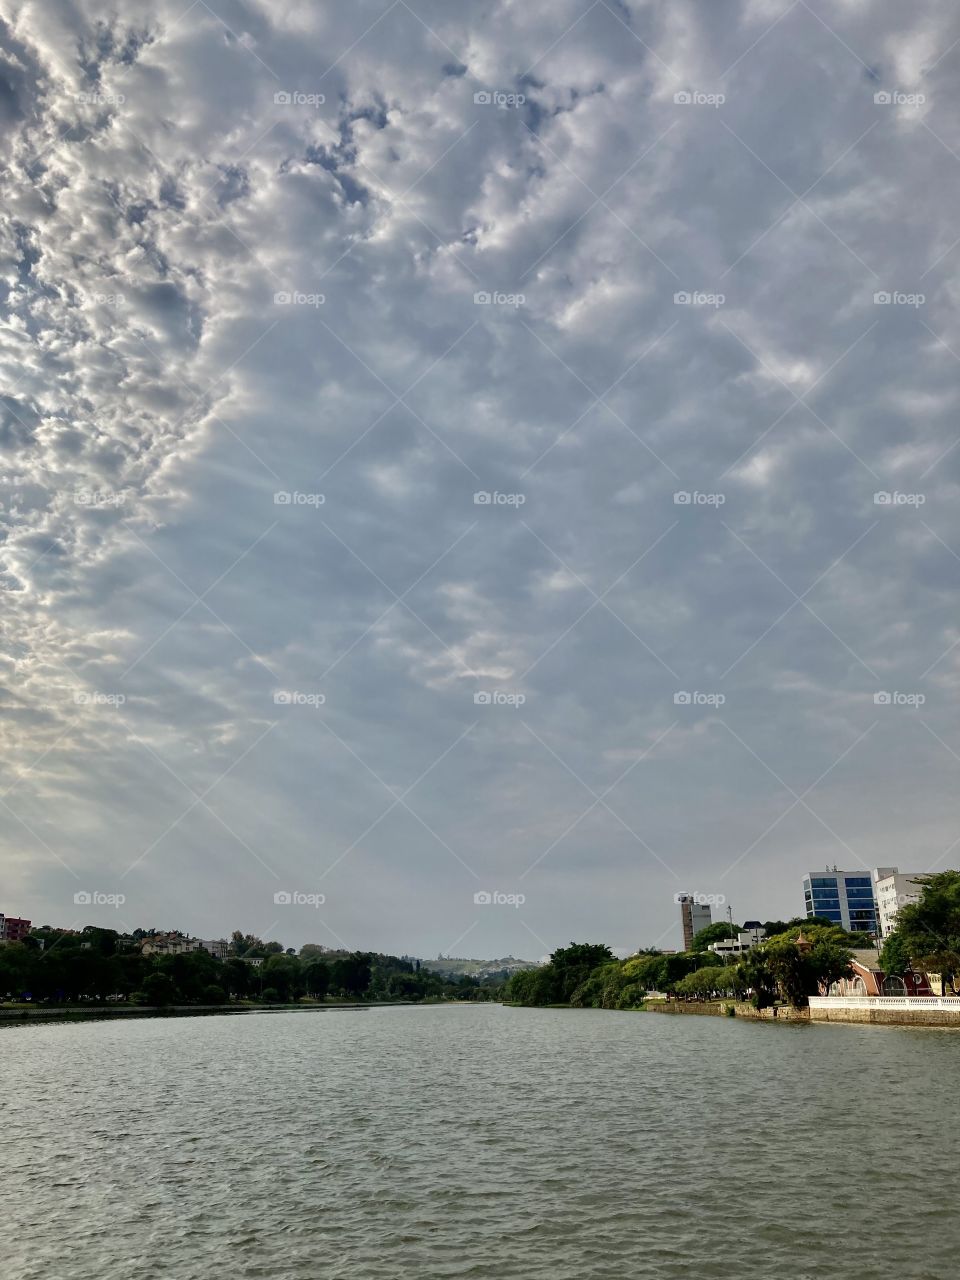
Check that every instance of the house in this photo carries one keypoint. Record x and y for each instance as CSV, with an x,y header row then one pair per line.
x,y
868,979
169,944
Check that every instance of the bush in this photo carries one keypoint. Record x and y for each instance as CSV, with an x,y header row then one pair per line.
x,y
271,995
213,995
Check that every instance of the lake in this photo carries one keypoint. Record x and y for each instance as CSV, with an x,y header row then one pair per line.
x,y
477,1141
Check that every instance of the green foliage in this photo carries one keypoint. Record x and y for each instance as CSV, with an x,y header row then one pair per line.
x,y
62,968
705,983
928,931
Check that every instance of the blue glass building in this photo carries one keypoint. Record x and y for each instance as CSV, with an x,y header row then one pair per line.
x,y
844,897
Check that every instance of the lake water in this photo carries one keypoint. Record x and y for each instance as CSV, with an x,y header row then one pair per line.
x,y
477,1142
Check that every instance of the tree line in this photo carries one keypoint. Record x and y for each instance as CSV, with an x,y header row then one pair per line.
x,y
586,975
56,967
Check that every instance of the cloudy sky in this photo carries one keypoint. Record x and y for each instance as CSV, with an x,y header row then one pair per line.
x,y
291,287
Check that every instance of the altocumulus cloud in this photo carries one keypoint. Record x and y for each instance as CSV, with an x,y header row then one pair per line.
x,y
475,449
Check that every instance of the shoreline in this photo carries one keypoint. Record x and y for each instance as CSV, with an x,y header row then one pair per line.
x,y
16,1016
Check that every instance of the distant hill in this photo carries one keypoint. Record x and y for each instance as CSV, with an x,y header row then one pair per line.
x,y
454,966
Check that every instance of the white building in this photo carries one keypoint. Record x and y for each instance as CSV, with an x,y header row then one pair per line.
x,y
892,890
748,937
218,947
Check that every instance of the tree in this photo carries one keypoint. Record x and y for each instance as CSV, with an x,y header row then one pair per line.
x,y
237,977
705,982
158,989
929,930
316,978
894,957
351,974
282,973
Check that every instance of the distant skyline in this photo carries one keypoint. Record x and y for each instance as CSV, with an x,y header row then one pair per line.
x,y
502,449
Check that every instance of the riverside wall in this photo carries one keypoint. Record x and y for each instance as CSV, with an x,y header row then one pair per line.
x,y
819,1011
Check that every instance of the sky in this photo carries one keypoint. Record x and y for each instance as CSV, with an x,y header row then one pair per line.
x,y
470,472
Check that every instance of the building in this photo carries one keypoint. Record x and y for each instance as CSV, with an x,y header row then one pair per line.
x,y
218,948
892,890
694,916
842,897
749,936
170,944
868,979
13,929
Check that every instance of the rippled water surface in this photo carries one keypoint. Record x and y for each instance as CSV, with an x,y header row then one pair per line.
x,y
477,1142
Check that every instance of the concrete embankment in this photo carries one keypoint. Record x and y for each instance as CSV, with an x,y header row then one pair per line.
x,y
876,1012
721,1009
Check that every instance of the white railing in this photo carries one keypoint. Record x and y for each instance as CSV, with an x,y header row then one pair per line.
x,y
885,1002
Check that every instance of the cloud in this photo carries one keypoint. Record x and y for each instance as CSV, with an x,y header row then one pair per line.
x,y
235,268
